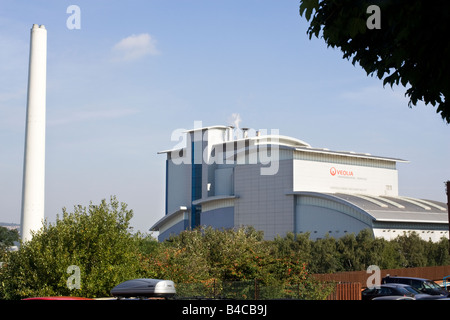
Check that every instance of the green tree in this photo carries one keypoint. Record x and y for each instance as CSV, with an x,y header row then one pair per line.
x,y
388,254
438,253
96,239
207,256
181,258
298,244
325,256
237,254
409,48
8,237
347,247
368,252
204,253
146,243
413,249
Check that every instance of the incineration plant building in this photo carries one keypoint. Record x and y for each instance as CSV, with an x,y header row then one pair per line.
x,y
223,177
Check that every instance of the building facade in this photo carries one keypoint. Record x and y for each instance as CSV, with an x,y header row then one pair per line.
x,y
226,178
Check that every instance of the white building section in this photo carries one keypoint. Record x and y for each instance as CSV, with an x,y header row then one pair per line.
x,y
32,214
225,178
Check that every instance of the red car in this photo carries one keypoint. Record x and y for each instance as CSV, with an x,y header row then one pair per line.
x,y
57,298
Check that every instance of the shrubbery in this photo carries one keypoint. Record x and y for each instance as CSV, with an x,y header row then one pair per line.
x,y
96,239
357,252
99,241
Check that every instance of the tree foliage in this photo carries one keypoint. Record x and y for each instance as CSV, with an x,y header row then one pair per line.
x,y
8,237
96,239
357,252
228,255
409,48
204,255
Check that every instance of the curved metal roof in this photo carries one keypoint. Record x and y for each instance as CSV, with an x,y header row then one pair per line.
x,y
399,209
389,209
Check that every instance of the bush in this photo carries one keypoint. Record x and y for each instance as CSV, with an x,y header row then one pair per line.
x,y
95,239
231,260
202,262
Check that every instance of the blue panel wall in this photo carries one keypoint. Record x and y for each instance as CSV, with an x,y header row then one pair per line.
x,y
219,218
174,230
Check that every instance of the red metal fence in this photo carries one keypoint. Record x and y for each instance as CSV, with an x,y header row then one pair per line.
x,y
350,284
346,291
432,273
347,285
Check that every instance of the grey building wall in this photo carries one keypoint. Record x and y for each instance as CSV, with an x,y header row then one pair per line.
x,y
178,186
223,181
262,201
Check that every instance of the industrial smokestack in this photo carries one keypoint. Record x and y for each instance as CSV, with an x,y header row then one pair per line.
x,y
230,133
245,133
32,214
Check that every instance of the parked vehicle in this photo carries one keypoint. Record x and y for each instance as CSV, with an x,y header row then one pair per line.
x,y
394,289
393,298
57,298
423,285
144,288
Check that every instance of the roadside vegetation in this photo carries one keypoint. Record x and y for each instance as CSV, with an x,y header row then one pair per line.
x,y
99,241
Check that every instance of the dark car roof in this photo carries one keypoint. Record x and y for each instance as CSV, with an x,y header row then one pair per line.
x,y
393,285
400,277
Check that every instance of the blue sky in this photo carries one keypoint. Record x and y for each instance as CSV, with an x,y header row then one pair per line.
x,y
138,70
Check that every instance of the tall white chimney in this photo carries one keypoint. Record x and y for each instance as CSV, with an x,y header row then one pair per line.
x,y
33,186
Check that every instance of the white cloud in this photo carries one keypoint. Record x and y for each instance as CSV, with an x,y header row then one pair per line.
x,y
135,47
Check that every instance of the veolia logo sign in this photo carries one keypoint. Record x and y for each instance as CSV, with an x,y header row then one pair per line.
x,y
339,172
